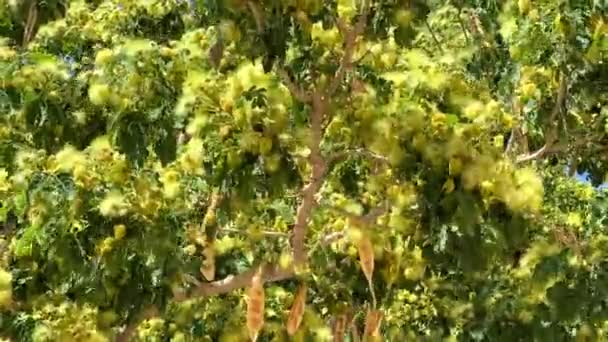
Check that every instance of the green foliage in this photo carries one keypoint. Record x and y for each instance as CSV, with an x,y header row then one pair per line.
x,y
154,153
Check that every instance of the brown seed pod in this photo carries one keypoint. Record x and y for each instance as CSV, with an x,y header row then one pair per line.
x,y
372,323
297,310
339,328
366,256
255,306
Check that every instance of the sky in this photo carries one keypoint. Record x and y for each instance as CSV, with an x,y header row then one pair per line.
x,y
584,177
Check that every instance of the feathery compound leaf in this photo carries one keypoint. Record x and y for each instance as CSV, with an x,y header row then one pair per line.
x,y
255,306
297,310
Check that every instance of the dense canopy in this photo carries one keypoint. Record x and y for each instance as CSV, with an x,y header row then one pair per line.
x,y
225,170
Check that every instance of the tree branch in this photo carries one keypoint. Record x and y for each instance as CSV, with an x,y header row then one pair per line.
x,y
535,155
350,40
359,151
464,30
263,232
270,273
332,237
296,91
258,16
551,135
428,26
319,101
319,167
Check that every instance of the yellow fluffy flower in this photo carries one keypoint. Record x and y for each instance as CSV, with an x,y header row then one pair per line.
x,y
68,158
114,204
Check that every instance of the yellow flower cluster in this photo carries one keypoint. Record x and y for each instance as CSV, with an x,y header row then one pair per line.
x,y
520,189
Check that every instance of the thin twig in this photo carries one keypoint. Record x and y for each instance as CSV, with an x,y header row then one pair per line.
x,y
363,220
257,15
370,284
428,26
263,232
516,109
464,30
331,238
295,90
357,151
368,219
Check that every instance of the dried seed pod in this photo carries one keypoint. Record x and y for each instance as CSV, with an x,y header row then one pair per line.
x,y
208,266
366,256
255,306
339,328
372,323
297,310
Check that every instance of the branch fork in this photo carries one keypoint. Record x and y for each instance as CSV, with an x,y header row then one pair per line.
x,y
551,136
318,100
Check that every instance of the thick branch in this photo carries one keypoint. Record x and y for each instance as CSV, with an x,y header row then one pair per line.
x,y
319,168
551,135
535,155
545,150
271,273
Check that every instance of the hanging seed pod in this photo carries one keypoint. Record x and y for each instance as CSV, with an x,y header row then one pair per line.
x,y
366,256
372,323
297,310
208,266
255,306
339,328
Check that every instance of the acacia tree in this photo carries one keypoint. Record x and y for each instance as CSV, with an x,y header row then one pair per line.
x,y
225,170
